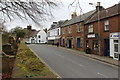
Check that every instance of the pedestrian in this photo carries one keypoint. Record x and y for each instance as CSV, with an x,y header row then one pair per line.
x,y
57,44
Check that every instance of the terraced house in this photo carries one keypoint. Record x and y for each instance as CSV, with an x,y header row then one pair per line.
x,y
106,29
54,32
73,31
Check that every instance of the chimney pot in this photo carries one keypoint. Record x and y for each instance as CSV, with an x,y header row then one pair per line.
x,y
74,14
98,3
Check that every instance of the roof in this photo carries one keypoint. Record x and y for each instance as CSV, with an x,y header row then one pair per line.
x,y
59,23
78,18
109,12
34,33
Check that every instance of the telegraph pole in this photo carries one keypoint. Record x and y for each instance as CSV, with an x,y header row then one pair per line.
x,y
99,49
98,10
0,44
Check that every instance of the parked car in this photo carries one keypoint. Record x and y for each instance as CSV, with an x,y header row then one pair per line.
x,y
27,42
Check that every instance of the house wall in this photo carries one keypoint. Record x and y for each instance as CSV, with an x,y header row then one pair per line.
x,y
73,36
53,36
43,37
113,27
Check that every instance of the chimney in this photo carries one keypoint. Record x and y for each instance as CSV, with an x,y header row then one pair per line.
x,y
99,6
29,27
98,3
74,14
55,23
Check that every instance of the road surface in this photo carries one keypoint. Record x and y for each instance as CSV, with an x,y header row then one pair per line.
x,y
69,65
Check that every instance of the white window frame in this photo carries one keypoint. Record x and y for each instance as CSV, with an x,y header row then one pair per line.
x,y
106,25
58,32
63,30
90,29
78,27
69,29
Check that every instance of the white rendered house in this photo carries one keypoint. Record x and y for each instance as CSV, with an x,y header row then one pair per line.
x,y
38,37
41,37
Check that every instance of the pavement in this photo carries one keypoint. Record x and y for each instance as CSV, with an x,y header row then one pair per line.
x,y
104,59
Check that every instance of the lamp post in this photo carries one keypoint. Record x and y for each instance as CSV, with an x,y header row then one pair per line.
x,y
0,44
98,11
98,5
1,32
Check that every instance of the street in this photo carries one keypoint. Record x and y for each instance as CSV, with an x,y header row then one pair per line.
x,y
69,65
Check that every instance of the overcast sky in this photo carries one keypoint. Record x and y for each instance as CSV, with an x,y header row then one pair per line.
x,y
63,12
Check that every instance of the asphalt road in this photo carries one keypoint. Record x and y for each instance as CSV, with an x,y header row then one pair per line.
x,y
69,65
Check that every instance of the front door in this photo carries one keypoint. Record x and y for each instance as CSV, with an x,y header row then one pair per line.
x,y
107,47
70,43
63,43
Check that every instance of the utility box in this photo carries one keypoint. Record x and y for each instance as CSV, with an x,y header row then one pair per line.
x,y
115,45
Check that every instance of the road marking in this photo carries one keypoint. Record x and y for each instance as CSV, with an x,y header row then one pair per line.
x,y
71,60
102,75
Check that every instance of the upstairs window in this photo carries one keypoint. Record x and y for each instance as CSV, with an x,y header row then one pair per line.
x,y
48,34
39,36
78,27
63,30
69,29
90,29
106,25
58,31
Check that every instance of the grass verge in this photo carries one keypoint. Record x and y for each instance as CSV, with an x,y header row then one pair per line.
x,y
28,65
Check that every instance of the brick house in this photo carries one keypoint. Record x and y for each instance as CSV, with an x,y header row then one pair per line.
x,y
73,31
109,20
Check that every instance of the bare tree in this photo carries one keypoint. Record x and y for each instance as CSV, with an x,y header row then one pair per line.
x,y
2,26
36,10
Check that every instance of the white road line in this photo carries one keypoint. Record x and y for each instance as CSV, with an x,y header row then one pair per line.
x,y
71,60
102,75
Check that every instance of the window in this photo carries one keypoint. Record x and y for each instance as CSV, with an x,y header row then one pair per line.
x,y
106,25
115,41
90,29
115,47
63,30
95,45
48,33
39,36
63,41
58,31
87,43
78,27
78,42
69,29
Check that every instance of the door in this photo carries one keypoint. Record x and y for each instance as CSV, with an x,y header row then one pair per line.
x,y
116,49
107,47
78,42
63,42
70,43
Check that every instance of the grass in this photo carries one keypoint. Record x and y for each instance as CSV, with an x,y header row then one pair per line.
x,y
28,65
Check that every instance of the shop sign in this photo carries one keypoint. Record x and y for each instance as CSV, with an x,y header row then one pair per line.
x,y
115,35
91,36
